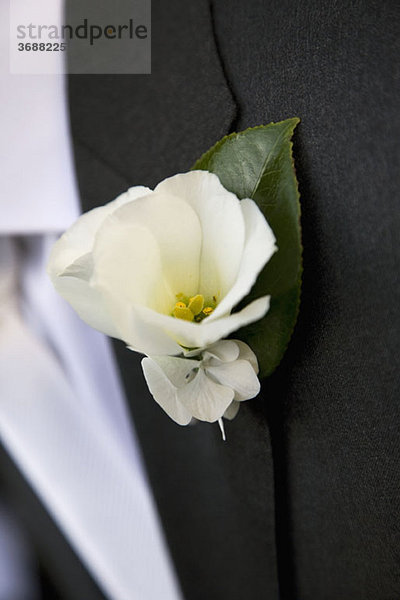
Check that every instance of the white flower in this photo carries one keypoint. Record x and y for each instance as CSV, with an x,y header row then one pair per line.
x,y
206,388
163,269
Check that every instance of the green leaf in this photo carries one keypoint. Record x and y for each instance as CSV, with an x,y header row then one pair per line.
x,y
257,163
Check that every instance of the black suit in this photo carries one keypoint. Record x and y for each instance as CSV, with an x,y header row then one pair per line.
x,y
302,502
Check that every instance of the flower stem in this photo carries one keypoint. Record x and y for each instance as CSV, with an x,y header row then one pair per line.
x,y
222,428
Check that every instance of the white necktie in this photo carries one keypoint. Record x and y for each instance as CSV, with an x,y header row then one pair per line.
x,y
89,483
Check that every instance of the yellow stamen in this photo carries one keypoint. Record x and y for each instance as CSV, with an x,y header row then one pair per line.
x,y
196,304
193,308
181,311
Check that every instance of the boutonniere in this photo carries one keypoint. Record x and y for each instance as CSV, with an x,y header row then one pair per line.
x,y
201,275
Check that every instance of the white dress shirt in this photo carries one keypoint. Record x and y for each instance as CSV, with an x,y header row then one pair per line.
x,y
63,416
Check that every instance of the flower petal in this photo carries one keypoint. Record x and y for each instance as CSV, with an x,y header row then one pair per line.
x,y
224,350
239,375
164,392
200,335
74,286
142,336
148,252
232,410
205,399
79,238
128,263
70,264
87,302
222,225
246,353
137,267
258,249
176,369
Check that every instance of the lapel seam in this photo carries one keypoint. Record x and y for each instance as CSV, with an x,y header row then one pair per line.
x,y
236,112
101,159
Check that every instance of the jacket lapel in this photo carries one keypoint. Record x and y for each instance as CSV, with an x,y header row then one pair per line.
x,y
215,500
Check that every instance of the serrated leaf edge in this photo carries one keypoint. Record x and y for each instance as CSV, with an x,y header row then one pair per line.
x,y
293,121
300,275
229,136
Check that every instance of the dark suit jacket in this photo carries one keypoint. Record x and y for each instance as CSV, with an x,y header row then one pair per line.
x,y
302,502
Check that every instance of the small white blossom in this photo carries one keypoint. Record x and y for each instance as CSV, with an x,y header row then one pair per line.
x,y
206,387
